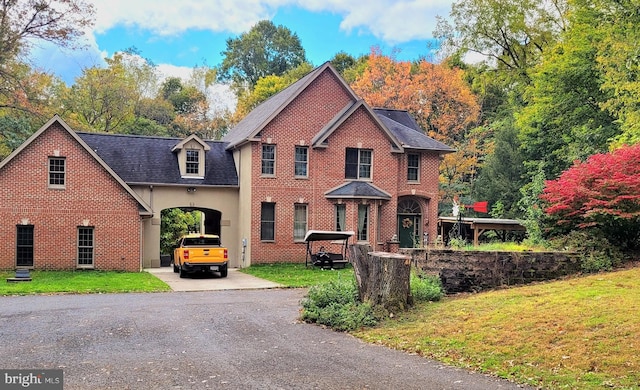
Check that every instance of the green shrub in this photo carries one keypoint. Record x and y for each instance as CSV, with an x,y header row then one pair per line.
x,y
457,243
425,288
335,304
596,252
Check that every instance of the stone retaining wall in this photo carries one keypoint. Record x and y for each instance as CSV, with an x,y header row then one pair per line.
x,y
467,271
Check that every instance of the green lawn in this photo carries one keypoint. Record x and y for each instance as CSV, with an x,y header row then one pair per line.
x,y
82,282
297,275
580,333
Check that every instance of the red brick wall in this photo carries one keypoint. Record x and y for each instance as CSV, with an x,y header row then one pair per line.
x,y
297,125
91,194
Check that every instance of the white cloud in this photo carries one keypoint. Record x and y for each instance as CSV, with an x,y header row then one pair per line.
x,y
168,17
389,20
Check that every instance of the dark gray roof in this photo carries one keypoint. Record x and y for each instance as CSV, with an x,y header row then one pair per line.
x,y
358,189
408,132
149,160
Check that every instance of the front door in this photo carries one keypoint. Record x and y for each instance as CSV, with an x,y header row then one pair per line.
x,y
409,230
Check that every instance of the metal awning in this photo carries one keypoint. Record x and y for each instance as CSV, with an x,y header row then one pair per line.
x,y
321,235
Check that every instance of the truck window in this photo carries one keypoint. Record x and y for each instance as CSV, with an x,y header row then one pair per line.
x,y
204,241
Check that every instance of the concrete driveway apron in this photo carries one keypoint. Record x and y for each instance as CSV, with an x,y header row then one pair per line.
x,y
235,280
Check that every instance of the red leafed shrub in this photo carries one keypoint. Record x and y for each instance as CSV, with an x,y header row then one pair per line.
x,y
602,192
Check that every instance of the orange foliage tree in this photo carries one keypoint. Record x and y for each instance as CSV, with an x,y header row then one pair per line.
x,y
441,102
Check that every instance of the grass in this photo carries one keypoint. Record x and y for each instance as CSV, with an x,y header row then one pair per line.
x,y
82,282
580,333
297,275
504,247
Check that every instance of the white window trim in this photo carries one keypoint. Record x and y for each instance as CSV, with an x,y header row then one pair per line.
x,y
64,172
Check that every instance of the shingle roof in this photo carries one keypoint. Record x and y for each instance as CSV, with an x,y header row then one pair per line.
x,y
357,189
149,160
408,132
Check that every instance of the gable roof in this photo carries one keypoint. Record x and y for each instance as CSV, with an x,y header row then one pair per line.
x,y
357,189
185,141
142,205
321,137
260,116
398,125
408,132
149,160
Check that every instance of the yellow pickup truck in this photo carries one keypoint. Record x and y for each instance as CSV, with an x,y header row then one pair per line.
x,y
200,253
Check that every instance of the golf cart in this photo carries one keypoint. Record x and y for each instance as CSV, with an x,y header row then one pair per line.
x,y
330,248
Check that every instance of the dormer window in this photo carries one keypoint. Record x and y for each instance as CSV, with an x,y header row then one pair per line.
x,y
193,162
191,157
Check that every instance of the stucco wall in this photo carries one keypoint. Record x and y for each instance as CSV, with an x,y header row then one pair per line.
x,y
159,198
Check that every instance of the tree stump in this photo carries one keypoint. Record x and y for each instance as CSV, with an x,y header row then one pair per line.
x,y
382,277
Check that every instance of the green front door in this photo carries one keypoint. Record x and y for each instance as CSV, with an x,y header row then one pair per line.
x,y
408,230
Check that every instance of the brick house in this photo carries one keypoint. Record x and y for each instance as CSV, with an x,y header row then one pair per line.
x,y
52,219
314,156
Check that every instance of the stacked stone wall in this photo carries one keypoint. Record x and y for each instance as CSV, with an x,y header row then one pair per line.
x,y
468,271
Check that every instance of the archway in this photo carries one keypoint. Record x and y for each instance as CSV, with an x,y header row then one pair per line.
x,y
409,223
206,221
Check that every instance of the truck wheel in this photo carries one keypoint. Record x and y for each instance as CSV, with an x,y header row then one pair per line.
x,y
175,268
224,271
183,273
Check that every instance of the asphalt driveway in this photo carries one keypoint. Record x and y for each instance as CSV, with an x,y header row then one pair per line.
x,y
233,339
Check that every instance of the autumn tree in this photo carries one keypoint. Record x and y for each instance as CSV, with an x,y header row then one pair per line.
x,y
439,100
265,88
510,34
22,23
103,99
601,193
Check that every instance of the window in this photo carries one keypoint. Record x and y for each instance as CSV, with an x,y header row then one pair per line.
x,y
267,221
206,241
357,164
341,211
299,222
85,246
413,166
363,221
193,162
379,224
56,172
268,160
24,247
301,161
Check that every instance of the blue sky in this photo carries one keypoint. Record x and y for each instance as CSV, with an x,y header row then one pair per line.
x,y
178,35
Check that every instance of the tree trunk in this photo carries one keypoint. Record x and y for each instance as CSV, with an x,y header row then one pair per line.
x,y
383,278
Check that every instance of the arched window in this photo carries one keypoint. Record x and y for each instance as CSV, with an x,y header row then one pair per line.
x,y
409,206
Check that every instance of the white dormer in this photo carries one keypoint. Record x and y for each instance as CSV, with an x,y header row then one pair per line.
x,y
191,156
